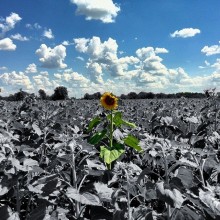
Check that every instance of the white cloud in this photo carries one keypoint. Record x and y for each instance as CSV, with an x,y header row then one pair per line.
x,y
80,58
16,79
72,79
19,37
32,68
7,44
216,65
104,10
161,50
103,57
48,34
34,26
81,44
3,68
42,81
10,22
52,58
44,73
95,70
66,43
207,64
186,32
145,52
212,50
153,65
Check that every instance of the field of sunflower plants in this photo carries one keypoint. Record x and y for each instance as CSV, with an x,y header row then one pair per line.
x,y
110,159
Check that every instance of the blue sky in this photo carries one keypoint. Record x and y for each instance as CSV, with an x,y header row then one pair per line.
x,y
109,45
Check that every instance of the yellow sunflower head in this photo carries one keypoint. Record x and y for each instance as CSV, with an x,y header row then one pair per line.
x,y
109,101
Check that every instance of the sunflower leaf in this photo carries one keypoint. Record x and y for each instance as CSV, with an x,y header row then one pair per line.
x,y
118,120
93,123
96,138
133,142
110,155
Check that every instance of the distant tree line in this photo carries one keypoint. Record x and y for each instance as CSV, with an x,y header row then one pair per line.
x,y
150,95
61,93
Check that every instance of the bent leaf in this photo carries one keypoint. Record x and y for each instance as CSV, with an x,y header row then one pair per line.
x,y
97,137
133,142
95,121
110,155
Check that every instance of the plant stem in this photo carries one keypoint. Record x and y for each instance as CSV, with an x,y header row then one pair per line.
x,y
111,131
111,137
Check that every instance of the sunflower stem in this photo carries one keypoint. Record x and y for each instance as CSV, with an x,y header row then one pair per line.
x,y
111,136
111,131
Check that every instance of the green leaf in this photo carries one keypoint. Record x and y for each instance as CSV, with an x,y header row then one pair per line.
x,y
97,137
133,142
118,120
111,155
95,121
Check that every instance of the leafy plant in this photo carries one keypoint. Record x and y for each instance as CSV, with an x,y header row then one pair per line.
x,y
108,132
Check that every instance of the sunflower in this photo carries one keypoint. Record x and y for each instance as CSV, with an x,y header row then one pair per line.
x,y
109,101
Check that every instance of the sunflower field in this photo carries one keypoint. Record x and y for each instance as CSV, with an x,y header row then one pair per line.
x,y
110,159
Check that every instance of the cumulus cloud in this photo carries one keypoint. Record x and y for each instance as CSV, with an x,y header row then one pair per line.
x,y
145,52
9,22
103,57
104,10
145,70
95,70
72,79
19,37
150,62
32,68
7,44
212,50
52,57
42,81
186,32
16,79
48,34
216,65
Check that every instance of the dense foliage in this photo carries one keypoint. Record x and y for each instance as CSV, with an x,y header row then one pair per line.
x,y
50,169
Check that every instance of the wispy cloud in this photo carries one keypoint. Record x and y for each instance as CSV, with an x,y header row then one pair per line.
x,y
80,58
19,37
33,26
185,33
104,10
